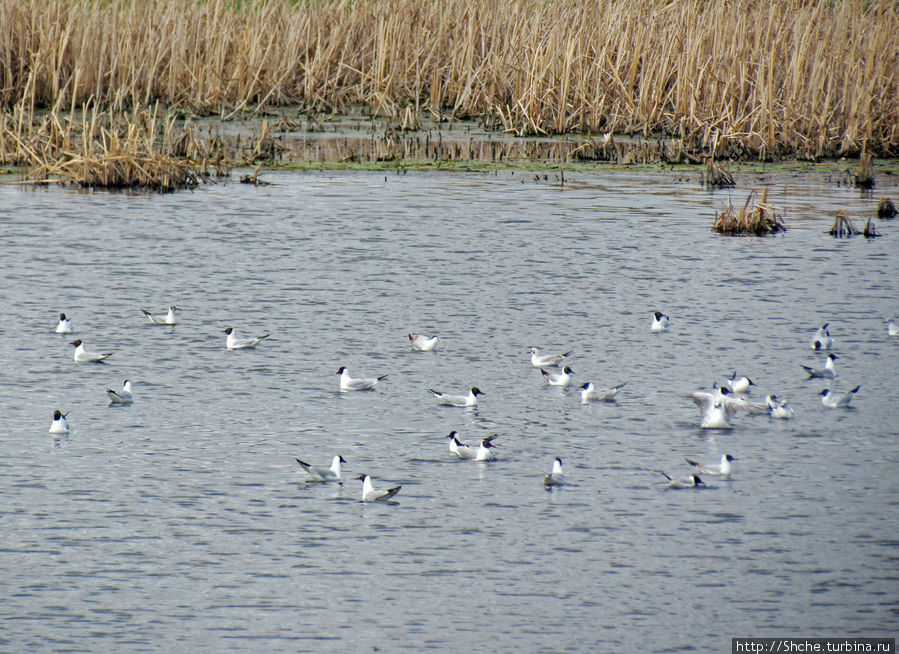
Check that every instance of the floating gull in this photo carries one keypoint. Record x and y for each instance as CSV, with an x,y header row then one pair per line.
x,y
556,477
822,340
693,481
59,425
589,393
659,322
347,383
837,400
722,469
234,343
168,319
422,343
123,396
369,494
827,372
558,379
739,384
778,408
65,325
457,400
546,361
324,474
81,356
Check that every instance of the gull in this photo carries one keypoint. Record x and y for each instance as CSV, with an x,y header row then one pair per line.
x,y
234,343
65,325
59,425
822,340
422,343
721,469
324,474
693,481
589,393
778,408
558,379
458,400
81,356
546,361
659,322
347,383
168,319
481,452
556,477
715,410
837,400
369,494
739,384
120,397
828,372
453,442
892,328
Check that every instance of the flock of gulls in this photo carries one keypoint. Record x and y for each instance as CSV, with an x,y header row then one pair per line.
x,y
717,407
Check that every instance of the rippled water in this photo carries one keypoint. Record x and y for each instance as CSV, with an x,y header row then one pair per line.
x,y
183,521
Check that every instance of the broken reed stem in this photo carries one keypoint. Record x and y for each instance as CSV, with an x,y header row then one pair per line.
x,y
842,225
757,220
812,79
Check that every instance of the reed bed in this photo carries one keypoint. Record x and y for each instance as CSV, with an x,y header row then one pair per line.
x,y
886,209
141,149
766,78
756,220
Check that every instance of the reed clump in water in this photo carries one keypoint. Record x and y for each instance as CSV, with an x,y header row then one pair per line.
x,y
141,149
717,175
886,208
842,225
765,78
864,178
756,220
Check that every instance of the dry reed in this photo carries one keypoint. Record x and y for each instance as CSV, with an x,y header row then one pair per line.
x,y
864,178
842,225
763,78
757,220
886,209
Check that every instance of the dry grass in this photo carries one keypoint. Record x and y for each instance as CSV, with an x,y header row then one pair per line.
x,y
842,225
142,149
763,78
756,220
864,178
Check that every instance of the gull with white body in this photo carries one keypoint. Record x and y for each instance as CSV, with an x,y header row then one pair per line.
x,y
739,384
59,425
167,319
822,340
369,494
324,474
714,408
83,356
556,477
778,408
235,343
458,400
483,451
693,481
558,378
660,322
722,469
121,397
829,371
65,325
590,393
347,383
833,400
547,360
422,343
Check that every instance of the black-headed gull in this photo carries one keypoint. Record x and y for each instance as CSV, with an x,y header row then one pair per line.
x,y
482,452
660,322
722,469
827,372
548,360
693,481
458,400
837,400
369,494
556,477
739,384
81,356
65,325
234,343
422,343
822,340
324,474
590,393
168,319
892,328
347,383
123,396
778,408
714,408
558,378
59,425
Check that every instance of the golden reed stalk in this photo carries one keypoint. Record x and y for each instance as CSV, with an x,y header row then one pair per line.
x,y
763,77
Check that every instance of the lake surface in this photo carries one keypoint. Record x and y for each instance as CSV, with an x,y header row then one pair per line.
x,y
183,522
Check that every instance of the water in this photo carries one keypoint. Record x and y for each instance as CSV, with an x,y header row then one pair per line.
x,y
184,522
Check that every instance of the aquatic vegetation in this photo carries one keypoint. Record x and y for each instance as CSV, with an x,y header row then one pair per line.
x,y
761,79
756,220
842,225
886,208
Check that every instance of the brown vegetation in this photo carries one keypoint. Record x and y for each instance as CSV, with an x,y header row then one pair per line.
x,y
842,225
886,208
761,78
757,220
